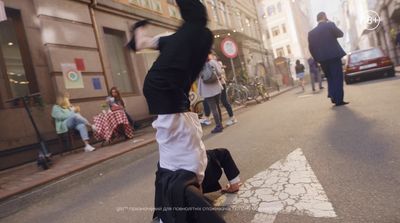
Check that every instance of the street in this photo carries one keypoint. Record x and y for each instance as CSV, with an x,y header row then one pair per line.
x,y
351,151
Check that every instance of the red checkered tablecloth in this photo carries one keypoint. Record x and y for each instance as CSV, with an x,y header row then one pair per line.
x,y
106,124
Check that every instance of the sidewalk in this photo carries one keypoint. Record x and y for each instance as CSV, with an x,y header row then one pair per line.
x,y
18,180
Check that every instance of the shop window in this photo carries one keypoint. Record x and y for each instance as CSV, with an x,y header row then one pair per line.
x,y
17,77
118,56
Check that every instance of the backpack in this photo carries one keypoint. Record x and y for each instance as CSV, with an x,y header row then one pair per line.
x,y
209,74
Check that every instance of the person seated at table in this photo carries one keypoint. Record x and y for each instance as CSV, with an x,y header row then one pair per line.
x,y
116,102
218,160
67,117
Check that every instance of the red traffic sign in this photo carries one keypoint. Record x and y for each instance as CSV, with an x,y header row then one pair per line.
x,y
229,48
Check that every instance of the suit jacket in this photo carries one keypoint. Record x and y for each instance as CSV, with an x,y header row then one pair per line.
x,y
323,44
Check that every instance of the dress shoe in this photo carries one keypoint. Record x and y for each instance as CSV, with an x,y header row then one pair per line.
x,y
342,103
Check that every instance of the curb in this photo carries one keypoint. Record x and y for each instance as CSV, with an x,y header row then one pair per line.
x,y
5,196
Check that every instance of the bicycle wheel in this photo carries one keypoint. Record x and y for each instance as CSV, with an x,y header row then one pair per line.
x,y
235,95
198,108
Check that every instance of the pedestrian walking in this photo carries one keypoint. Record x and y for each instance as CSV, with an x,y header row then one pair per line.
x,y
183,158
325,49
315,74
210,89
300,73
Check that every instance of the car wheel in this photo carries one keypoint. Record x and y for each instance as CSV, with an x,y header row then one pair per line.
x,y
348,80
391,72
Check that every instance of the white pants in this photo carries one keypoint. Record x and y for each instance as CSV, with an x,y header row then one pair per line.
x,y
180,145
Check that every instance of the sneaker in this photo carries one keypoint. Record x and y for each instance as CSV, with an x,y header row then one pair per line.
x,y
89,148
231,121
217,130
205,121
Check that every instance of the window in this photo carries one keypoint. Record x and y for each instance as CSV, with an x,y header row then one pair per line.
x,y
280,52
145,4
135,2
279,7
247,27
157,5
283,28
171,2
173,12
239,20
16,68
214,10
267,33
275,31
225,18
289,50
271,10
119,60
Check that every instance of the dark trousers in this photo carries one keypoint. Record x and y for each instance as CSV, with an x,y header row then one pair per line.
x,y
334,73
218,159
213,102
316,76
224,101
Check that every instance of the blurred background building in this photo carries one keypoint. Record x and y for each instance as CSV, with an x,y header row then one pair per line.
x,y
285,25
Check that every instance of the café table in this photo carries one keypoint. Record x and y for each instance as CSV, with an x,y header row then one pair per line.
x,y
108,123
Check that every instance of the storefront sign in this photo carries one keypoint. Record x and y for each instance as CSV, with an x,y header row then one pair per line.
x,y
72,77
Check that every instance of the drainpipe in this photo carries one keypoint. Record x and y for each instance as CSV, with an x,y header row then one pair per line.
x,y
92,6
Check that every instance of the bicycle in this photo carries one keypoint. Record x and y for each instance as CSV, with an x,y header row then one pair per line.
x,y
196,103
236,93
257,90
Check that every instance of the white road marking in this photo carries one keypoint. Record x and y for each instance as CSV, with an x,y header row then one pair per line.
x,y
305,96
288,186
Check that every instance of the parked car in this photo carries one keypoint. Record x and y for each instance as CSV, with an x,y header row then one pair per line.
x,y
369,62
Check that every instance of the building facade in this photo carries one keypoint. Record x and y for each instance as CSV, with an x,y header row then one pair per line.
x,y
385,35
285,25
42,39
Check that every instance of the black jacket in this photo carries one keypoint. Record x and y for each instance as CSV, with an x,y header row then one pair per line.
x,y
179,200
182,56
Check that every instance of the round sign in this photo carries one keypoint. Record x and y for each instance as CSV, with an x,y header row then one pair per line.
x,y
229,48
72,75
371,20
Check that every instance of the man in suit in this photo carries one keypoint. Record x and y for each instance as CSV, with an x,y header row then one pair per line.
x,y
325,49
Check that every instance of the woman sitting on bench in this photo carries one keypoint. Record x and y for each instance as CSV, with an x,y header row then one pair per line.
x,y
67,117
